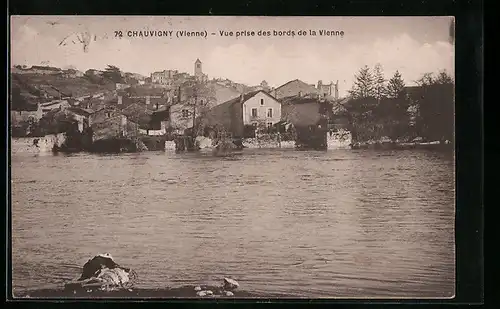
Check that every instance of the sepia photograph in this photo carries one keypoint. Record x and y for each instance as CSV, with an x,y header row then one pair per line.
x,y
232,157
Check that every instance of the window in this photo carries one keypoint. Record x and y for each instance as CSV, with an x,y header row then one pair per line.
x,y
254,124
261,101
185,113
108,114
269,125
269,113
198,65
254,112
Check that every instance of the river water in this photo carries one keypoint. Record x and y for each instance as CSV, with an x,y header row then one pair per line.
x,y
346,223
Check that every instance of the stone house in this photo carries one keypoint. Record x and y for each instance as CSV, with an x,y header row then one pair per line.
x,y
109,122
27,113
250,109
303,111
163,77
151,98
82,116
53,105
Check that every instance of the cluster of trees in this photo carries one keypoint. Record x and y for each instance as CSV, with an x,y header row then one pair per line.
x,y
387,108
112,74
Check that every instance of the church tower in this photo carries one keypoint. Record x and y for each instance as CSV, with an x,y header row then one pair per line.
x,y
198,72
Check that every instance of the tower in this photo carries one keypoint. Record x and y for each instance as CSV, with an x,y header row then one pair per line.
x,y
198,72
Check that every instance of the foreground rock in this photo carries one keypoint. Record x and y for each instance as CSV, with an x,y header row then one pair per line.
x,y
104,274
230,284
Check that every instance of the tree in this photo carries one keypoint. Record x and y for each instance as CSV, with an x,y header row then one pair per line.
x,y
395,86
113,73
443,78
364,84
426,79
93,78
436,106
379,81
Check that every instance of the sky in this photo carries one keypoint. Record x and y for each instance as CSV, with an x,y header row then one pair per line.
x,y
411,45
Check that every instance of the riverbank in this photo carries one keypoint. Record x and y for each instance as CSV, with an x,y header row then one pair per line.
x,y
404,146
187,291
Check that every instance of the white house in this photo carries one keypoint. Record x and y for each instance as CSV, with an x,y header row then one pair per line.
x,y
253,108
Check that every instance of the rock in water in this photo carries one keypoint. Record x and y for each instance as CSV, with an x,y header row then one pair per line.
x,y
103,273
229,293
96,263
197,288
209,292
230,284
201,293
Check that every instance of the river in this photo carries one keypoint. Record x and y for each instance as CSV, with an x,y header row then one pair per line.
x,y
345,223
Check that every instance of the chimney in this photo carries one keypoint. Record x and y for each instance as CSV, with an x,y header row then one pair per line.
x,y
120,100
300,94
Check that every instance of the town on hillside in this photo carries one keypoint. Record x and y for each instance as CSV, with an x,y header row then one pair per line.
x,y
110,110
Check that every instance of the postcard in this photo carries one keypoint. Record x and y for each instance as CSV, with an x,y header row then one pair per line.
x,y
210,157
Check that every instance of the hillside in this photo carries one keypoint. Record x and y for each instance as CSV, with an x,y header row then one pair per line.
x,y
34,88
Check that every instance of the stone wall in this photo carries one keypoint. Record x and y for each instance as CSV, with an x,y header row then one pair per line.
x,y
267,141
169,146
339,140
45,144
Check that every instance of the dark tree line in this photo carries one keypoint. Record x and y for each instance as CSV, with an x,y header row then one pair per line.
x,y
387,108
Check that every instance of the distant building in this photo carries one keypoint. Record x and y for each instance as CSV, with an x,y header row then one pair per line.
x,y
328,90
72,73
120,86
165,77
251,109
36,69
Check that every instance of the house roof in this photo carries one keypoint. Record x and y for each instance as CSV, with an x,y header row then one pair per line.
x,y
80,111
27,107
296,99
47,104
143,91
296,81
246,97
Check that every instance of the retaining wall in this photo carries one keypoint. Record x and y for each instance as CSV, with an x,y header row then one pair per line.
x,y
45,144
339,140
